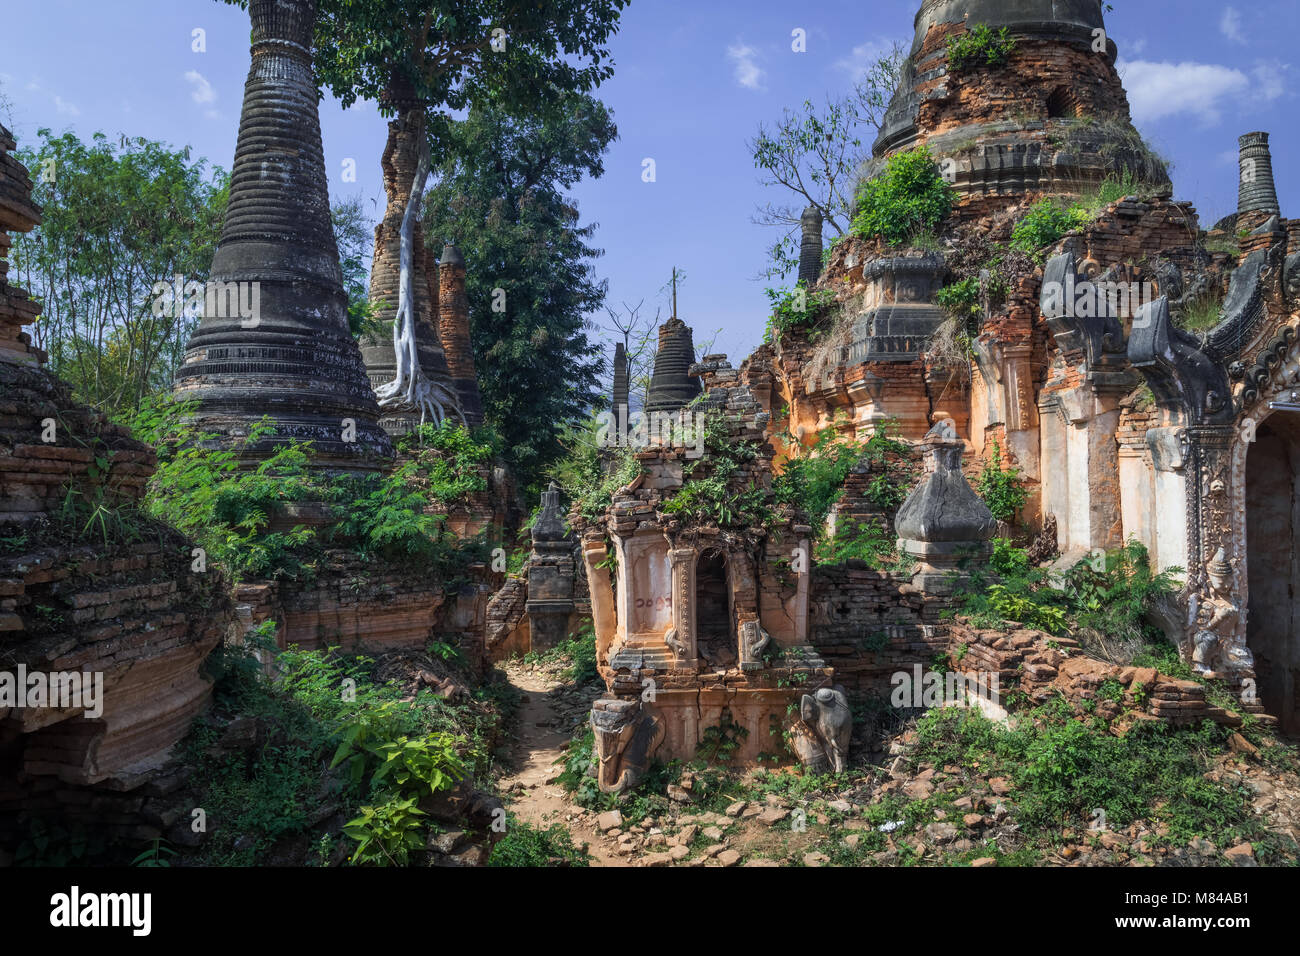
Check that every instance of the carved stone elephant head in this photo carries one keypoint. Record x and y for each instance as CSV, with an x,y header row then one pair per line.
x,y
626,739
827,715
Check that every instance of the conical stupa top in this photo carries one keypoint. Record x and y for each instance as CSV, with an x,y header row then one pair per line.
x,y
274,339
672,387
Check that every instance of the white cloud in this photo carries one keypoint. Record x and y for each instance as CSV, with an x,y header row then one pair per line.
x,y
61,106
1137,46
1159,90
864,56
1270,78
1230,25
748,73
202,91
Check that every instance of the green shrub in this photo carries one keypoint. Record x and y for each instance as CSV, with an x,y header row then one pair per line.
x,y
708,492
862,541
531,846
1044,224
906,199
1114,599
961,299
387,833
980,46
796,309
1001,488
577,776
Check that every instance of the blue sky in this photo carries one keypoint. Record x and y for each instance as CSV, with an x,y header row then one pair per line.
x,y
693,81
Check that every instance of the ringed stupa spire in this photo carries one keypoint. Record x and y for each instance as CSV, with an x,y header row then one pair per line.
x,y
274,339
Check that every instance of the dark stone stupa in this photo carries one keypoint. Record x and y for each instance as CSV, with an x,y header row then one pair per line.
x,y
294,360
622,388
672,387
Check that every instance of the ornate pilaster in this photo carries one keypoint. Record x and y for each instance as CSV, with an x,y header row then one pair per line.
x,y
683,635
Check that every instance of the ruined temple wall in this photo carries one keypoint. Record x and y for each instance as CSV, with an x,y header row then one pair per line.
x,y
360,607
1022,90
117,599
870,624
1100,491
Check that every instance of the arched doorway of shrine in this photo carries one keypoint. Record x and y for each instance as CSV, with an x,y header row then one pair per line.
x,y
1272,525
715,625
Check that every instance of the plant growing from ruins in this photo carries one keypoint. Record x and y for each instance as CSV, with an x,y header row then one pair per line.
x,y
813,153
1002,489
1201,314
814,481
593,468
1112,596
864,541
1044,224
907,198
962,298
712,490
718,745
980,46
797,309
453,456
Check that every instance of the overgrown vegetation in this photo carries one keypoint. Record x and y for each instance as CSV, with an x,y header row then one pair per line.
x,y
1110,595
865,541
707,493
334,743
234,513
1044,224
1065,770
1002,489
577,653
593,468
980,46
797,308
1048,220
908,198
532,846
814,481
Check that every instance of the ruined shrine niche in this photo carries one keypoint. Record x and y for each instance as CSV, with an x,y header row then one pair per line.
x,y
1062,104
1272,522
714,616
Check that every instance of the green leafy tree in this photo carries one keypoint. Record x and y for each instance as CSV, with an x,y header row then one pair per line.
x,y
421,60
354,235
501,195
119,216
814,154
